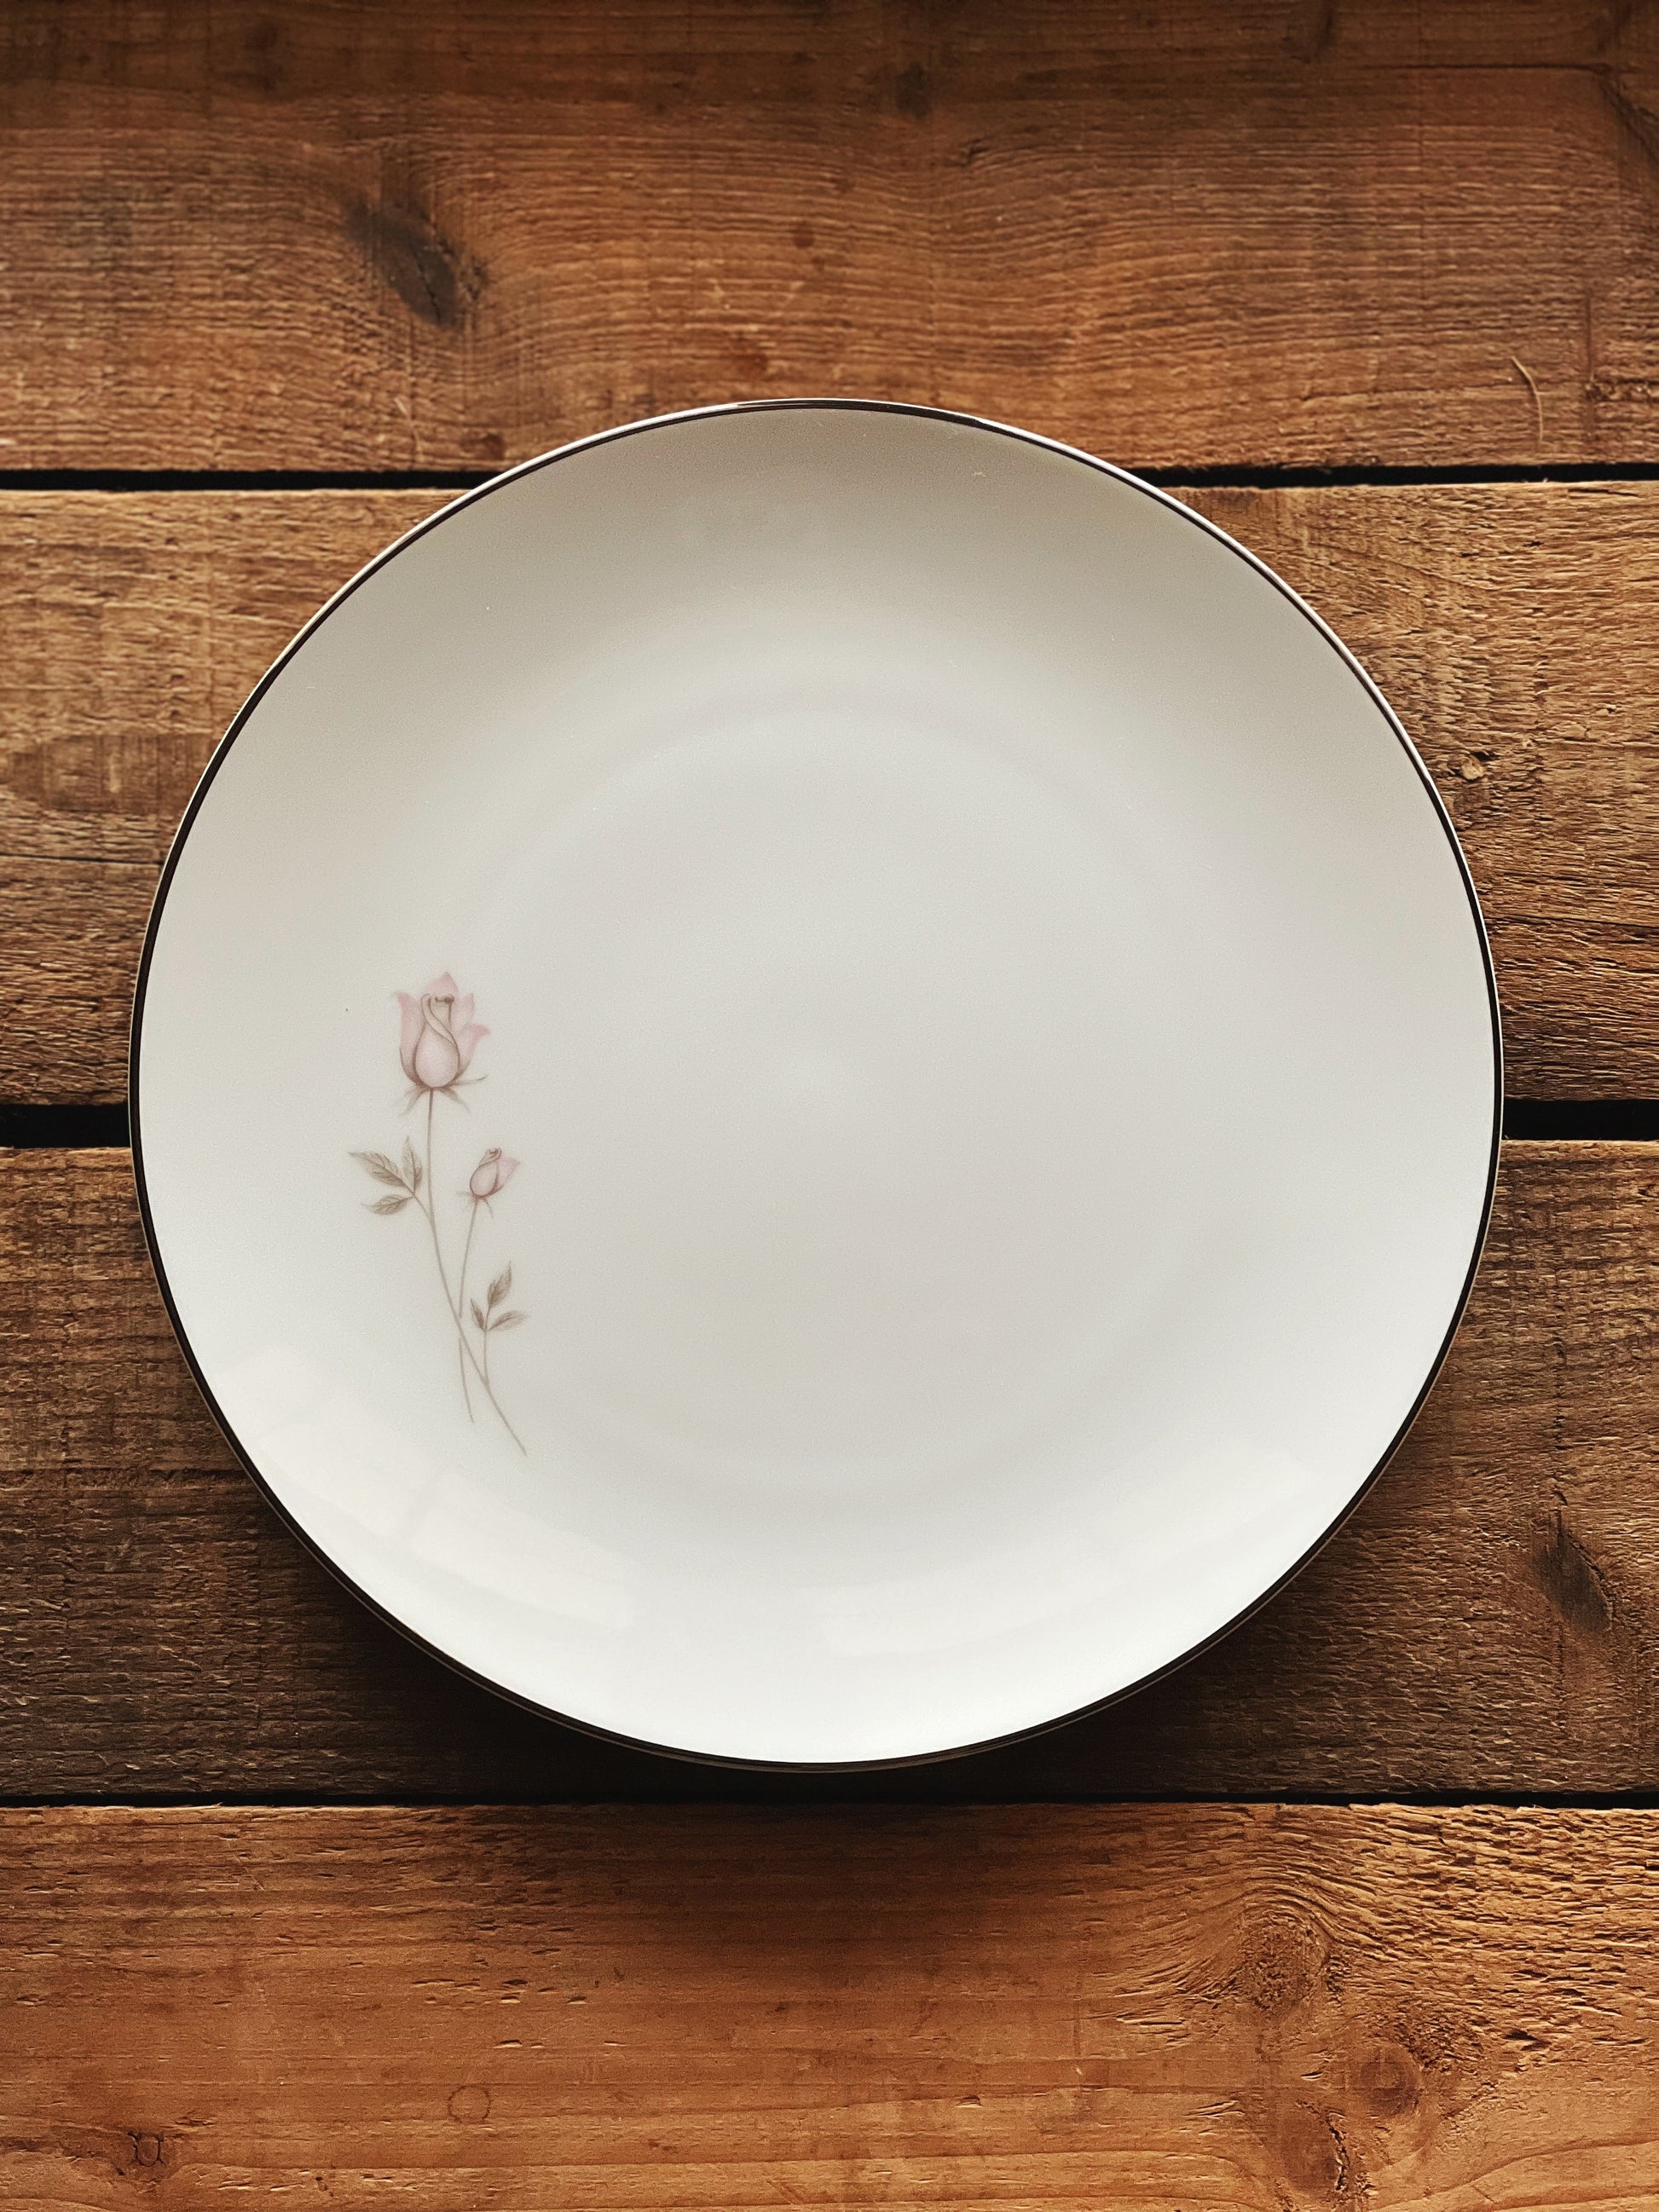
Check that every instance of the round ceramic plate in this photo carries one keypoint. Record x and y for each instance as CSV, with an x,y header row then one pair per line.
x,y
816,1083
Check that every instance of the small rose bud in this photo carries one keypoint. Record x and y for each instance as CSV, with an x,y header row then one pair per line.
x,y
493,1173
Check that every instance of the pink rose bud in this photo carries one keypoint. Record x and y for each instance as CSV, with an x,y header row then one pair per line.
x,y
493,1173
438,1035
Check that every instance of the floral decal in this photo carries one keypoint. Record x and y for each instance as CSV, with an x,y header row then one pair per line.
x,y
440,1036
438,1039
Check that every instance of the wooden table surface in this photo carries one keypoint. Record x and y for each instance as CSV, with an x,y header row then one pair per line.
x,y
1358,1911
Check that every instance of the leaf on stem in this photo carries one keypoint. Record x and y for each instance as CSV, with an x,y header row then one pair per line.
x,y
382,1169
501,1286
412,1166
508,1320
477,1314
389,1204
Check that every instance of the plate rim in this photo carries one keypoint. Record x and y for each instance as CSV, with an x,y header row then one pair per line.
x,y
473,494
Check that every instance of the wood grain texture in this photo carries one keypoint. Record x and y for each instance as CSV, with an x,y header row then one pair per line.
x,y
1313,2009
1515,627
1489,1620
1286,231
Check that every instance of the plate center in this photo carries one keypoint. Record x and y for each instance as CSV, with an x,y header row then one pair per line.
x,y
844,1026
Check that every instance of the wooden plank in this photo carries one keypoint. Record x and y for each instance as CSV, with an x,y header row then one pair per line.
x,y
1489,1620
1516,628
487,2010
1278,232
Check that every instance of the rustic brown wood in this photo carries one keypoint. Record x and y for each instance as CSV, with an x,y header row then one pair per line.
x,y
134,627
1172,2006
1285,231
1515,626
235,236
1488,1621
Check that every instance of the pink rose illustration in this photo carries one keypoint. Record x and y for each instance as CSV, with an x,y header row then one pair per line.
x,y
437,1039
440,1035
493,1173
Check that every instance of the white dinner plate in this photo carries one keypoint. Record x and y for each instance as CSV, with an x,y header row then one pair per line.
x,y
816,1083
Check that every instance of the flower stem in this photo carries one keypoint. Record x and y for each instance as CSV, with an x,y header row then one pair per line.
x,y
431,1212
467,1352
460,1306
